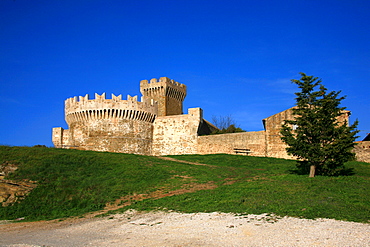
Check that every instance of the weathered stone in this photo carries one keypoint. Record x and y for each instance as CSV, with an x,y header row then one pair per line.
x,y
157,126
12,191
7,168
362,150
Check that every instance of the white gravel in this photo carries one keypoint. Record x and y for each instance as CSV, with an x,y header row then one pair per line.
x,y
198,229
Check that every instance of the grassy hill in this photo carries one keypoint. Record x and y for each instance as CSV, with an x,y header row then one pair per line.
x,y
73,183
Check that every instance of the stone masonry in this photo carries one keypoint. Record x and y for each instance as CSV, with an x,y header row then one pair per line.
x,y
156,125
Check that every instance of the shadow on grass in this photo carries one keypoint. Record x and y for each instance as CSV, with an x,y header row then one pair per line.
x,y
302,168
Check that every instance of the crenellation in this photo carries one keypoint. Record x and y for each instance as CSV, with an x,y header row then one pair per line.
x,y
156,125
100,102
116,98
154,82
132,98
168,93
164,79
86,112
91,121
99,98
144,83
83,98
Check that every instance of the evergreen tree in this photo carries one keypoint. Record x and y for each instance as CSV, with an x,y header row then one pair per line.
x,y
321,142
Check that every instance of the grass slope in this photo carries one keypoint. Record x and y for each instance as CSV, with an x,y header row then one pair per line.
x,y
72,182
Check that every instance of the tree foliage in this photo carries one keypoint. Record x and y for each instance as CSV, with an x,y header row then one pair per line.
x,y
225,124
318,136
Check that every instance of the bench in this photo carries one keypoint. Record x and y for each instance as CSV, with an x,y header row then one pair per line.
x,y
69,146
245,151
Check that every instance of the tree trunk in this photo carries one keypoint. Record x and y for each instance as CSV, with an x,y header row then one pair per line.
x,y
312,171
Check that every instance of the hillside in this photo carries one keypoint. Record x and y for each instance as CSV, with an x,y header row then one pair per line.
x,y
74,183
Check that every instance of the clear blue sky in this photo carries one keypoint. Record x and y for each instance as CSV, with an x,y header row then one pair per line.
x,y
236,57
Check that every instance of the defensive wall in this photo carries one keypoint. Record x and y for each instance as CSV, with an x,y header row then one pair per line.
x,y
275,147
157,126
230,143
168,94
117,125
362,150
364,145
177,134
113,125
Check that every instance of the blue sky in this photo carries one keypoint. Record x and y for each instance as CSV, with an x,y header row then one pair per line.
x,y
236,57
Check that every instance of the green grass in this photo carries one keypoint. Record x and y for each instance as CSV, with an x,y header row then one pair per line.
x,y
72,182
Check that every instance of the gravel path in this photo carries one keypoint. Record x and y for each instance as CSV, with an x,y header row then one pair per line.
x,y
175,229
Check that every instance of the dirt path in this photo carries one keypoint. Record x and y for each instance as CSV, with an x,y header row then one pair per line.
x,y
128,200
175,229
184,161
186,188
134,228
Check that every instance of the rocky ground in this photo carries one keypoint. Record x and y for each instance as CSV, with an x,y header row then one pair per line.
x,y
12,191
175,229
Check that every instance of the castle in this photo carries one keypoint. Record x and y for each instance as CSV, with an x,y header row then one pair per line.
x,y
156,125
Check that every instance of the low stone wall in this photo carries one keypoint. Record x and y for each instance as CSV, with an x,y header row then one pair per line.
x,y
226,143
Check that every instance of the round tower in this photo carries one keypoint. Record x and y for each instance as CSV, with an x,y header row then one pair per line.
x,y
168,93
113,125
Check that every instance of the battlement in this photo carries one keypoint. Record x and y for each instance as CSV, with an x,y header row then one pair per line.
x,y
162,83
124,125
81,108
164,80
78,101
168,93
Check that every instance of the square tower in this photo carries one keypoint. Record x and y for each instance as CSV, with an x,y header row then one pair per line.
x,y
168,93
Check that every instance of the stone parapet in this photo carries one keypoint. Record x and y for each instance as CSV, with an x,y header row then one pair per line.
x,y
147,87
156,125
82,109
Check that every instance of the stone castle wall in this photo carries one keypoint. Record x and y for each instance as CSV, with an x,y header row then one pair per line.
x,y
168,93
177,134
113,125
362,150
364,145
156,126
275,147
227,143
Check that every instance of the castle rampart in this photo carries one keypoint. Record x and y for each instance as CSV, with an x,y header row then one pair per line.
x,y
156,125
275,147
229,143
102,124
177,134
81,109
